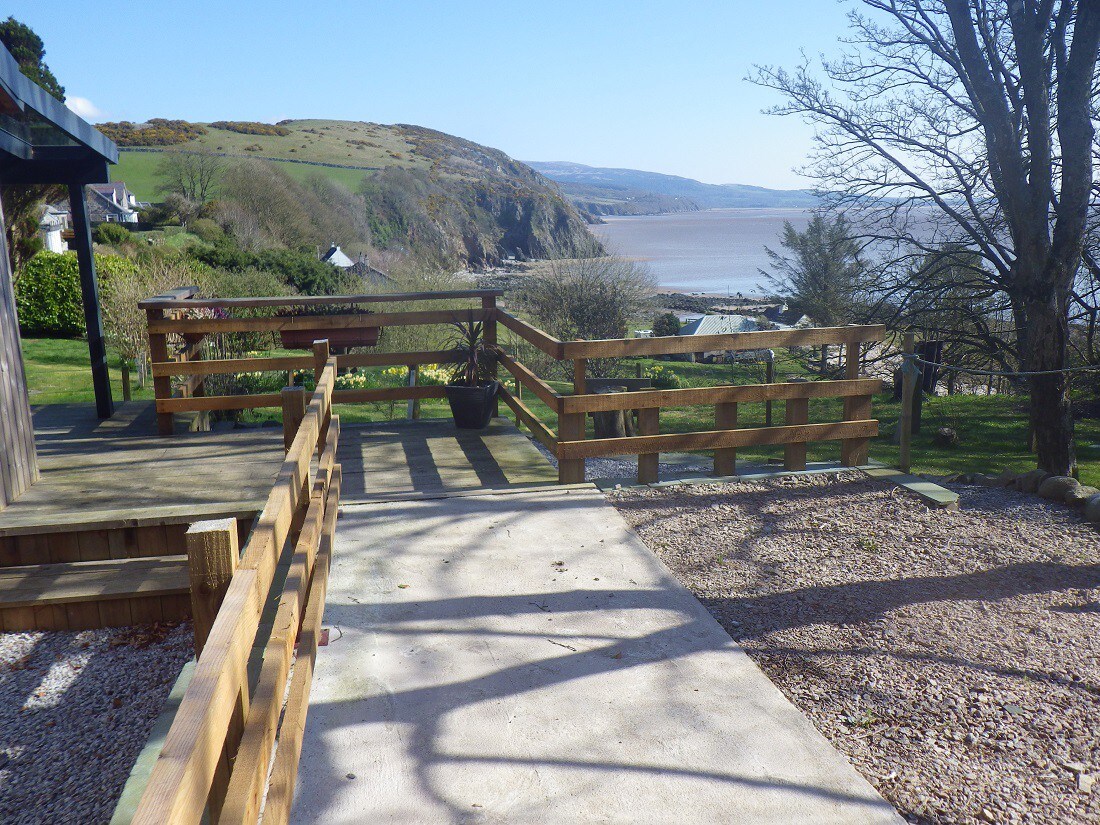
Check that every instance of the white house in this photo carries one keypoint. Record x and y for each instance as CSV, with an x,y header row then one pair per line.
x,y
336,257
53,223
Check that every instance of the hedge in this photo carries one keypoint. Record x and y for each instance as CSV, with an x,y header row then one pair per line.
x,y
47,294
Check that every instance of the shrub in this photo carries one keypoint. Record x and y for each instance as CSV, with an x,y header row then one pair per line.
x,y
665,325
206,230
249,127
47,295
663,378
156,132
114,234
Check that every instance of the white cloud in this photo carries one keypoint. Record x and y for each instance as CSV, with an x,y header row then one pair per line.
x,y
84,107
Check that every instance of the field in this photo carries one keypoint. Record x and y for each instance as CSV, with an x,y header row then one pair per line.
x,y
992,429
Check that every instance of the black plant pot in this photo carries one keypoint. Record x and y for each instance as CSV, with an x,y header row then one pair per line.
x,y
472,407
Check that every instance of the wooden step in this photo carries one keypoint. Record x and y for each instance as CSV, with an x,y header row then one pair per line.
x,y
64,596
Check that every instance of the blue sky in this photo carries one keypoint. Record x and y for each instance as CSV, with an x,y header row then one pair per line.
x,y
647,85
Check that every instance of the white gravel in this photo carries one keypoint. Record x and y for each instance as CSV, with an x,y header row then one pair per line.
x,y
954,657
76,708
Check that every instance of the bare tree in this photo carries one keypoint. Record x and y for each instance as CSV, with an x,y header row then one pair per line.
x,y
588,299
191,174
968,121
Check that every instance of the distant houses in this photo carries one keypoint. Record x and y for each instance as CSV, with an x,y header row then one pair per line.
x,y
107,203
775,317
371,275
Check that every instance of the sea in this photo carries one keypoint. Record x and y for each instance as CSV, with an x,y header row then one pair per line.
x,y
714,251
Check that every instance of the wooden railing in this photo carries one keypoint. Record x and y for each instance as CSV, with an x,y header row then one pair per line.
x,y
571,447
175,344
569,442
218,751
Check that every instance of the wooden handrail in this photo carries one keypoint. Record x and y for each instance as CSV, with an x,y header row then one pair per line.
x,y
172,301
734,393
320,322
730,342
533,335
284,363
184,772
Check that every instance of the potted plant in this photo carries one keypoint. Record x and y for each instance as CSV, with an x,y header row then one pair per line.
x,y
472,390
338,337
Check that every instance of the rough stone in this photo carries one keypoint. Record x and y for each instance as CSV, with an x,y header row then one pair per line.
x,y
1092,508
1080,494
945,437
1056,488
1029,482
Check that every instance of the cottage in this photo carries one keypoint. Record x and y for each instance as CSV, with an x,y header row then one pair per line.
x,y
717,325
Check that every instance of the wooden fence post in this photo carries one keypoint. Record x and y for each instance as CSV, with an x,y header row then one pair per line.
x,y
769,378
320,357
725,459
489,335
648,424
294,410
796,411
162,386
571,428
414,403
580,365
908,387
212,555
853,451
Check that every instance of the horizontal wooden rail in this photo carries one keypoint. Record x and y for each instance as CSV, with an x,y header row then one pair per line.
x,y
538,429
178,302
764,339
547,343
535,384
184,772
283,363
208,403
388,394
317,322
737,393
716,439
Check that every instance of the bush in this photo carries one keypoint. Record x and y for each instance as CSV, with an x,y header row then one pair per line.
x,y
663,378
156,132
47,294
665,325
249,127
113,234
206,230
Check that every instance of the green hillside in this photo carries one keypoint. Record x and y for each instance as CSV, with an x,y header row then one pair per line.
x,y
468,201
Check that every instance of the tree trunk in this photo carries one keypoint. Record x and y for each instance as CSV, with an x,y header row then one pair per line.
x,y
1051,412
823,364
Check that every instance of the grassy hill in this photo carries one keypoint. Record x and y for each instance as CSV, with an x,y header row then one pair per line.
x,y
471,201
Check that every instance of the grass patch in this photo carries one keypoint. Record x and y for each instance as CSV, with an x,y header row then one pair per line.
x,y
59,372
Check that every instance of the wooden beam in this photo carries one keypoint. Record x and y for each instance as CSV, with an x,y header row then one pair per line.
x,y
545,342
294,410
388,394
725,458
318,322
713,440
186,302
648,463
571,428
524,414
766,339
219,402
525,377
796,412
212,554
89,292
740,393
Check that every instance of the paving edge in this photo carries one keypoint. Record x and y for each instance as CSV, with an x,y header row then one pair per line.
x,y
929,492
516,489
143,768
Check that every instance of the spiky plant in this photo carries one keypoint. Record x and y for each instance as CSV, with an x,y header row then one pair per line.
x,y
475,358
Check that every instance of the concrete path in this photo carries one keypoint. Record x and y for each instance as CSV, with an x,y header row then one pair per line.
x,y
521,657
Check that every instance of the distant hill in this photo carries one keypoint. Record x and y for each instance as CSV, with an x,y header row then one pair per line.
x,y
601,191
428,187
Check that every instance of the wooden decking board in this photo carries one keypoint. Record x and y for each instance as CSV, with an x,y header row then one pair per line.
x,y
92,581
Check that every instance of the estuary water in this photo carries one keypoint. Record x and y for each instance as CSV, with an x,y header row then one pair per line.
x,y
716,251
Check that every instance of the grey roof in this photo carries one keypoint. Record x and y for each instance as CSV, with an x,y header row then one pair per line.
x,y
719,325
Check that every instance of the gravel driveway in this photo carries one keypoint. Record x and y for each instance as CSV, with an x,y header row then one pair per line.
x,y
75,710
954,657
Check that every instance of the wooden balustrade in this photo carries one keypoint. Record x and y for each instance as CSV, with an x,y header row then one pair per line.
x,y
570,443
217,752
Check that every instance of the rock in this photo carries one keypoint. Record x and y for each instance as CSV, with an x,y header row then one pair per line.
x,y
945,437
1080,494
1029,482
984,480
1006,478
1092,508
1056,488
1084,782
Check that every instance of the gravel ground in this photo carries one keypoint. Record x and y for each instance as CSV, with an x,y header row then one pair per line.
x,y
75,711
954,657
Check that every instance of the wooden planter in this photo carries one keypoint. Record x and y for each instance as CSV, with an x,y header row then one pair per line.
x,y
352,337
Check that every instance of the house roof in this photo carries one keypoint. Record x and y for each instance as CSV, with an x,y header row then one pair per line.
x,y
719,325
336,257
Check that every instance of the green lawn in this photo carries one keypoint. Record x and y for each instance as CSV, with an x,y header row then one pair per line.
x,y
992,429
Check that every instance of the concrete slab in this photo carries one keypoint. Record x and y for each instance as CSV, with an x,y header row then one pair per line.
x,y
432,456
929,492
523,658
